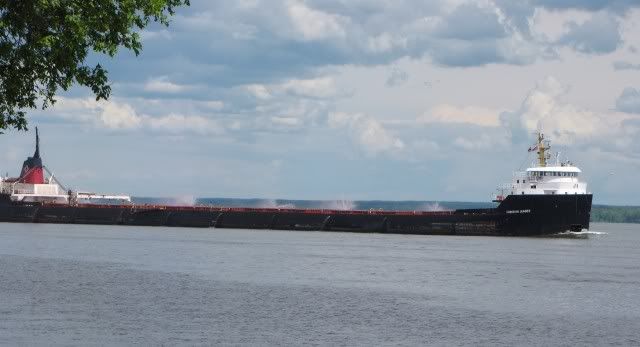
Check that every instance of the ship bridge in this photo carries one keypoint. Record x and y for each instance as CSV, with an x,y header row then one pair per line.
x,y
549,180
542,178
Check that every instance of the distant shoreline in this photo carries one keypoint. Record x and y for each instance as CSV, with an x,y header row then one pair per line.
x,y
615,214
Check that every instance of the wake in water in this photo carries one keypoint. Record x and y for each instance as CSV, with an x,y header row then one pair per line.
x,y
575,235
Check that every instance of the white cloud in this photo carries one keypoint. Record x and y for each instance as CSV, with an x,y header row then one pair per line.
x,y
467,115
163,85
545,108
600,34
386,42
314,24
214,105
367,132
259,91
323,87
119,116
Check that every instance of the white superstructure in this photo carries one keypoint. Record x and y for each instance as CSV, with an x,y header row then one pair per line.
x,y
51,192
27,192
34,186
560,178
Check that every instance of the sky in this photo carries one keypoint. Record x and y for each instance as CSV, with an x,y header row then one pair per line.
x,y
355,100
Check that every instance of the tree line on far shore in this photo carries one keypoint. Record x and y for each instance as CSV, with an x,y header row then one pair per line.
x,y
615,214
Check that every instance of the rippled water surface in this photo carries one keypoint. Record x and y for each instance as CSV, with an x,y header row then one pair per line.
x,y
89,285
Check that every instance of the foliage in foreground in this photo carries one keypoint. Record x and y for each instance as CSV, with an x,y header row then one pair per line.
x,y
44,46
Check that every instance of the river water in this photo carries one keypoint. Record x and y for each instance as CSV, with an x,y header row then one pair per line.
x,y
105,285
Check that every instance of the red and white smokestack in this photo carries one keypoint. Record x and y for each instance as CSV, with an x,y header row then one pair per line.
x,y
32,171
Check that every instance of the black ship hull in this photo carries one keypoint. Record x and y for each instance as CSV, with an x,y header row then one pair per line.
x,y
517,215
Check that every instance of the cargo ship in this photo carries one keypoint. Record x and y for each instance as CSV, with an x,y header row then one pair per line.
x,y
544,199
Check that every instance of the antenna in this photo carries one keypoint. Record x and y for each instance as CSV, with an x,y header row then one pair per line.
x,y
37,154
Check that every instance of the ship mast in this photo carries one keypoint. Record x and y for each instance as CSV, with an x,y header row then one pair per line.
x,y
542,158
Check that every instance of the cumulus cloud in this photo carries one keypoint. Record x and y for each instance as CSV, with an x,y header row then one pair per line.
x,y
367,132
239,43
315,88
629,101
313,24
258,42
118,116
467,115
600,34
323,87
545,108
386,43
481,34
619,6
115,115
163,85
470,22
259,91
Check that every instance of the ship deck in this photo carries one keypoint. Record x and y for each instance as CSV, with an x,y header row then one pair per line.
x,y
154,207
